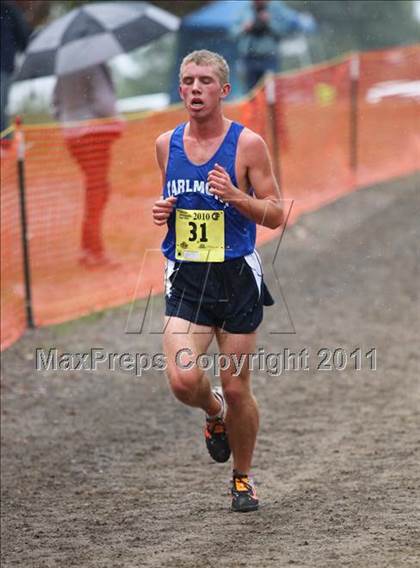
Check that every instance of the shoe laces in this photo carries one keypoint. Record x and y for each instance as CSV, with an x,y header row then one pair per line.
x,y
215,426
243,483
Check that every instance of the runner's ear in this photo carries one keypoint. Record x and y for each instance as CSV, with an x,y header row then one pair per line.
x,y
225,90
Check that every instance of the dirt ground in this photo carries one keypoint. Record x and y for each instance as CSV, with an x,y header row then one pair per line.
x,y
106,469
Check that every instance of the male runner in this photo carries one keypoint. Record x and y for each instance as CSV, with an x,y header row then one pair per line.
x,y
217,184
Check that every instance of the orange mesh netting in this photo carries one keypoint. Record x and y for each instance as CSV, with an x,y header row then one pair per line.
x,y
92,193
389,114
314,135
13,317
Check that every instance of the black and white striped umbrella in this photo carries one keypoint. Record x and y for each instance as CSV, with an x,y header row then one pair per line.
x,y
92,34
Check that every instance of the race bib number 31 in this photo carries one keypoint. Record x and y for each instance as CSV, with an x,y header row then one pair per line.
x,y
200,235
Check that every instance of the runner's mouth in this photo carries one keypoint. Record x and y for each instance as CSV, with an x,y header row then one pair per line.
x,y
197,103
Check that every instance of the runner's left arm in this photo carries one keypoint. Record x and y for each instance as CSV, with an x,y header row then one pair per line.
x,y
265,206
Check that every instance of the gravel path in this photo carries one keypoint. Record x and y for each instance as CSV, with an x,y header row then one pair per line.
x,y
106,469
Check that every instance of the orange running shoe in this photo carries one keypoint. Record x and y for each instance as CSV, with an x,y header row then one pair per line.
x,y
215,431
244,496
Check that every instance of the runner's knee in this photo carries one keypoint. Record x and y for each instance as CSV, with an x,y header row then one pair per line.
x,y
184,383
236,392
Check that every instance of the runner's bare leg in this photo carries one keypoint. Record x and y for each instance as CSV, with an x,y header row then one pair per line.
x,y
191,386
242,419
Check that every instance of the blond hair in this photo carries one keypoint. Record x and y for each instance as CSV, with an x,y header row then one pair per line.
x,y
206,57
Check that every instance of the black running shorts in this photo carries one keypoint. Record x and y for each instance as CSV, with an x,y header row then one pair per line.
x,y
229,295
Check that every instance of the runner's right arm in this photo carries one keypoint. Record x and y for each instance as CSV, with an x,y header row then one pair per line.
x,y
163,207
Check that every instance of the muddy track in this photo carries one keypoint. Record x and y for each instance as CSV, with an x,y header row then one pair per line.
x,y
105,469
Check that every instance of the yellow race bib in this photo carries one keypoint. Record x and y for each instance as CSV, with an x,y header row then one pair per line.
x,y
200,235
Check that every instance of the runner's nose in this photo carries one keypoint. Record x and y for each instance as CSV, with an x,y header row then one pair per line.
x,y
196,87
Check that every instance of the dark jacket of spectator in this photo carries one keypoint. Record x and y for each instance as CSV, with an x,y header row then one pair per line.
x,y
14,33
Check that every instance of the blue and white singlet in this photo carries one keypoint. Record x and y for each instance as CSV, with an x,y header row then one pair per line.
x,y
188,182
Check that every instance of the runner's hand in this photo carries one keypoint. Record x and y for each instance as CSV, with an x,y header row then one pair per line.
x,y
162,210
222,186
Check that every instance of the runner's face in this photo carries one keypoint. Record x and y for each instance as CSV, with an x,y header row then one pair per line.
x,y
200,89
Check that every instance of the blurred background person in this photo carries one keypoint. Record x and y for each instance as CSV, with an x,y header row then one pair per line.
x,y
260,27
14,33
79,97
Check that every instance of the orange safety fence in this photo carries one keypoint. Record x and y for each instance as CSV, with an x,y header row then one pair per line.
x,y
76,208
314,116
13,316
389,114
